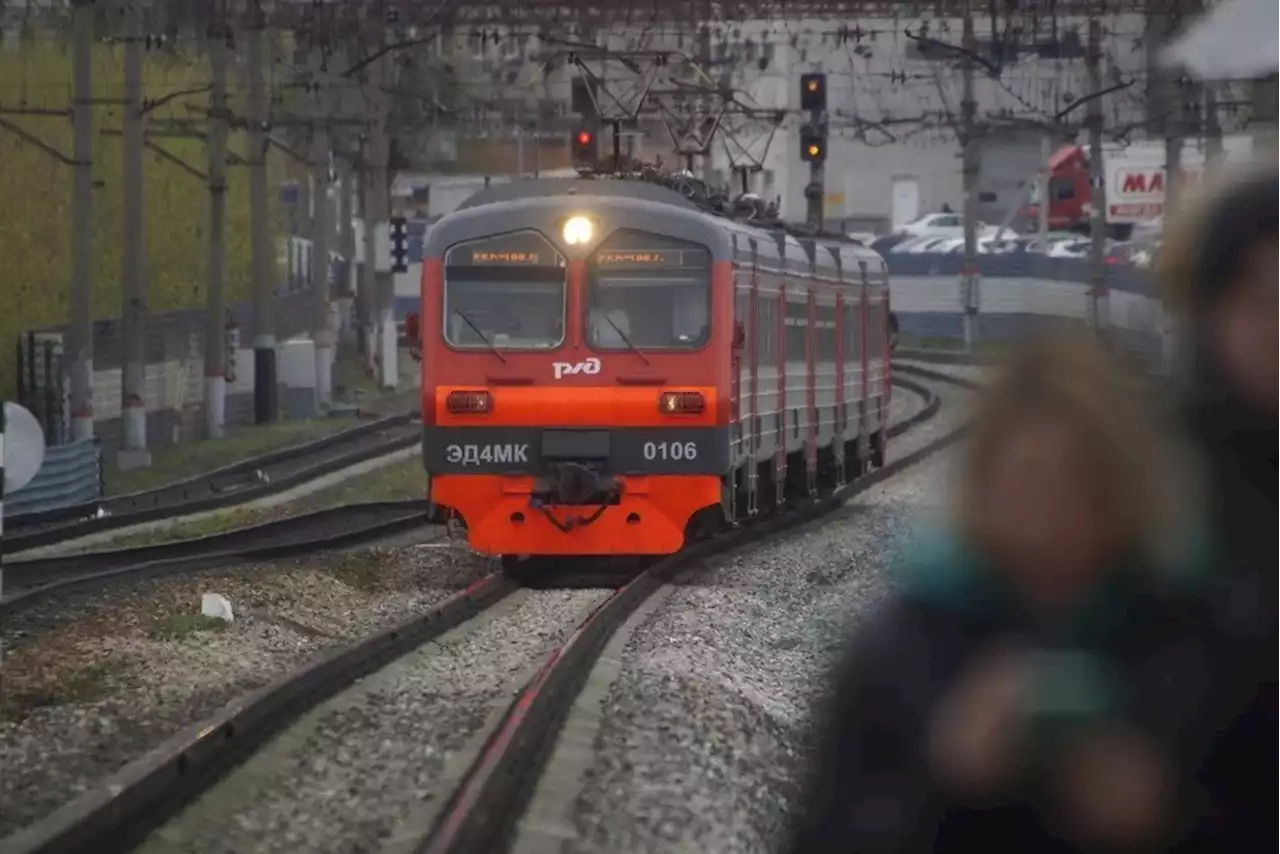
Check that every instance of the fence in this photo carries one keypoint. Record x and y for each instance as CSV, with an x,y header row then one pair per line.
x,y
1020,294
71,474
174,350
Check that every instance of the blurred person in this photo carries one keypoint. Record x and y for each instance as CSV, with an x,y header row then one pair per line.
x,y
1014,694
1218,265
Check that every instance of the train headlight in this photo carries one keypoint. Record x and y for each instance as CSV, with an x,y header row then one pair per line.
x,y
681,403
578,231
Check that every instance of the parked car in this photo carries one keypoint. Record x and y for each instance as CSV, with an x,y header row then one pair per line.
x,y
935,225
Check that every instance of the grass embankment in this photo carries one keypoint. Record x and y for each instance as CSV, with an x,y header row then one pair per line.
x,y
398,481
36,189
179,462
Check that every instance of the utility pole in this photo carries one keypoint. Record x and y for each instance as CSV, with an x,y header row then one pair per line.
x,y
366,302
80,330
970,154
1098,309
215,346
1213,152
1175,104
133,274
705,102
264,286
1042,224
321,227
347,246
384,279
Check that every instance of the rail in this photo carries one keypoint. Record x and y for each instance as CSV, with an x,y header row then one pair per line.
x,y
118,812
238,483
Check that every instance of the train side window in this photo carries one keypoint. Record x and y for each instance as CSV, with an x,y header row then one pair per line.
x,y
876,321
852,332
766,323
826,332
797,326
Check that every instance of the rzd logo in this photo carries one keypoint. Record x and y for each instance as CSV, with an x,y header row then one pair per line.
x,y
588,366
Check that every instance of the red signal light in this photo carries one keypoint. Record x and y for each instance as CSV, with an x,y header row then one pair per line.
x,y
584,138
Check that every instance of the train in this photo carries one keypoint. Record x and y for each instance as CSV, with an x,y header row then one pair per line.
x,y
610,368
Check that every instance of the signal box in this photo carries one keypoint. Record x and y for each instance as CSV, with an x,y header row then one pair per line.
x,y
813,92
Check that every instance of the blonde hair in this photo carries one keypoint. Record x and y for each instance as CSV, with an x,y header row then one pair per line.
x,y
1068,376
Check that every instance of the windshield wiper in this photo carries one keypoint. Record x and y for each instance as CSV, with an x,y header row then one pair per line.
x,y
493,348
625,340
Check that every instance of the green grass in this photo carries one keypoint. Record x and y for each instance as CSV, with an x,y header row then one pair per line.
x,y
182,461
952,345
398,481
362,571
180,626
84,685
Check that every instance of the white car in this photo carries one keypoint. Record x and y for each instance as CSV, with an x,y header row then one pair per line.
x,y
1147,229
918,245
1069,249
935,225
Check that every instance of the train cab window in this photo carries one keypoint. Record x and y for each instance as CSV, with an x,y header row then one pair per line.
x,y
648,309
1061,189
511,308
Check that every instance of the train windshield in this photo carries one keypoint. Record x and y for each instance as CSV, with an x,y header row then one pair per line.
x,y
633,306
504,308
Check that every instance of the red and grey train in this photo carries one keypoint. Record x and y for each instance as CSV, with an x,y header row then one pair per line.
x,y
610,369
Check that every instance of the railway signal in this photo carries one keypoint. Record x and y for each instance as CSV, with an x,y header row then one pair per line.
x,y
584,148
813,92
813,145
399,245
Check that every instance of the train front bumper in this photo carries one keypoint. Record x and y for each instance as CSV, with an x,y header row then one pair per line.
x,y
503,517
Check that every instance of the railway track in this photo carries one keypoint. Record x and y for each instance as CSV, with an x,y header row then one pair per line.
x,y
239,483
30,581
123,811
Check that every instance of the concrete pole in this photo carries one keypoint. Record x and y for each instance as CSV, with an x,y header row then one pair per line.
x,y
80,330
1042,223
366,302
388,346
215,337
321,230
133,274
264,276
1098,301
1213,154
971,164
346,287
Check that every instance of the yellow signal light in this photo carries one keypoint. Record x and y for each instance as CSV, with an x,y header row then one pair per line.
x,y
814,150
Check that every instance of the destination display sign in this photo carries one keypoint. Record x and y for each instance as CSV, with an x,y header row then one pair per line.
x,y
515,249
489,256
651,258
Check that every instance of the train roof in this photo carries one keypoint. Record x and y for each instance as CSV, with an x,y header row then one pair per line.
x,y
550,187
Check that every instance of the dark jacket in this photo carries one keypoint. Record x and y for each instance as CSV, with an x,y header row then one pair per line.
x,y
1237,753
872,790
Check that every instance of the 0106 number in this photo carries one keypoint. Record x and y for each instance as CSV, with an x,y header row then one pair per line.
x,y
670,451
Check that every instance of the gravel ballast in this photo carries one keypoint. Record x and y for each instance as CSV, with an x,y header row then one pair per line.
x,y
344,778
702,742
91,687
